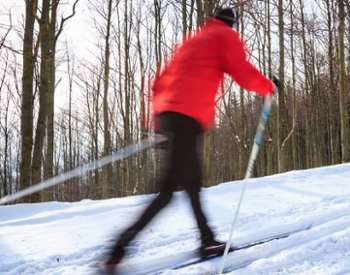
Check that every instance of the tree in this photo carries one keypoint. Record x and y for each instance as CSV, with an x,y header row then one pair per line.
x,y
55,31
207,8
281,115
293,89
27,94
45,122
3,37
37,159
107,189
343,89
5,131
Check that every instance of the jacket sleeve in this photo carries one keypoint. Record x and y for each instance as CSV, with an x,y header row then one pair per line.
x,y
241,70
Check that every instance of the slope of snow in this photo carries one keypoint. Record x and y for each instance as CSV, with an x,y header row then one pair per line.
x,y
67,238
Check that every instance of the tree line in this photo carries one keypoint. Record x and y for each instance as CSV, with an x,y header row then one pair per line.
x,y
306,44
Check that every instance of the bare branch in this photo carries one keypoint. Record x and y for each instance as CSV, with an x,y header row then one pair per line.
x,y
347,3
65,19
3,39
10,49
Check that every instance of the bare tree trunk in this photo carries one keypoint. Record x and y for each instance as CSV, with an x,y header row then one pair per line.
x,y
5,170
127,102
348,35
52,38
184,19
343,92
308,142
44,88
208,142
70,158
107,184
270,146
294,140
209,7
332,133
281,128
158,32
48,167
200,13
27,96
96,106
143,164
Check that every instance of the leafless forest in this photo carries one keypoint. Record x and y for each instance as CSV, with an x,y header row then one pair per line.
x,y
305,43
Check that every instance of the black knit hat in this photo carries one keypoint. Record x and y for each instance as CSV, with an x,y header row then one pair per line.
x,y
228,15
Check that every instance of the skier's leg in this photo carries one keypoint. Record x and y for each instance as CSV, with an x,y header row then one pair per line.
x,y
210,245
191,173
207,234
118,250
167,184
149,213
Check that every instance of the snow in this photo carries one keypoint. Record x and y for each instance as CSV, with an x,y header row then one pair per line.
x,y
69,238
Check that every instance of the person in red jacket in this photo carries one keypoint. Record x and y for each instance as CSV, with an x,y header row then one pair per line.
x,y
183,106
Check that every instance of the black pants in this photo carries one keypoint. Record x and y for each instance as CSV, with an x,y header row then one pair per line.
x,y
183,169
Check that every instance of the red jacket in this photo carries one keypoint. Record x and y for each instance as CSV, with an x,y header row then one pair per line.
x,y
190,81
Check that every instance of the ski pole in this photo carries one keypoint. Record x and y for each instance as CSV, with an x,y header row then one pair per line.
x,y
253,155
120,154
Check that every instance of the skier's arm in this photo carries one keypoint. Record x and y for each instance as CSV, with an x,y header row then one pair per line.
x,y
241,70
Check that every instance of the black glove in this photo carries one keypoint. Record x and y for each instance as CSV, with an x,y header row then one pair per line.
x,y
277,82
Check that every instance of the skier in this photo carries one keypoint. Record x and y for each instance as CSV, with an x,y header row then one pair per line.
x,y
183,106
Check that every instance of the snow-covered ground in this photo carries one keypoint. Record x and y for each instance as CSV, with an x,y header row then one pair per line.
x,y
68,238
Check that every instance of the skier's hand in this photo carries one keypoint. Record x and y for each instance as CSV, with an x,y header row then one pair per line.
x,y
277,83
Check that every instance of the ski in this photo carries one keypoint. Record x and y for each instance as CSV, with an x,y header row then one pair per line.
x,y
191,257
243,246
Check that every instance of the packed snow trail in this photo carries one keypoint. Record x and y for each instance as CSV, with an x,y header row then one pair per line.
x,y
243,258
298,233
67,238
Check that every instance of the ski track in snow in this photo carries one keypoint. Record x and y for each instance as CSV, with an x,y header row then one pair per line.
x,y
301,244
325,251
68,238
